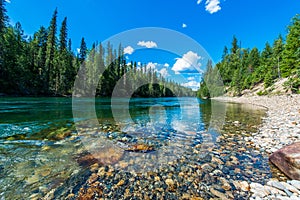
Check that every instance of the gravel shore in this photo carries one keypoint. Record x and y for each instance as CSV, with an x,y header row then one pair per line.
x,y
281,127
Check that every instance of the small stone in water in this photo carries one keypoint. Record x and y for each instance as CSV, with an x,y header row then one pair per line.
x,y
120,183
169,182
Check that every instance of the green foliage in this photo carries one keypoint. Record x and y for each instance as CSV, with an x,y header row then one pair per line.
x,y
203,91
212,84
3,20
268,80
3,17
51,70
262,93
293,83
46,65
291,52
244,68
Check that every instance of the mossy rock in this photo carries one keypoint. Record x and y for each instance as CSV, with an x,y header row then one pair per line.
x,y
16,137
59,134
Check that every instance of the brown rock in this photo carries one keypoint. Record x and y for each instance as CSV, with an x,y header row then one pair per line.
x,y
103,156
89,193
92,178
186,196
217,160
241,185
196,198
218,194
169,182
120,183
287,160
225,184
140,148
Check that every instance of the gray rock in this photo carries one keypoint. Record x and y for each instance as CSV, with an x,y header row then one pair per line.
x,y
282,198
277,185
294,197
295,183
290,188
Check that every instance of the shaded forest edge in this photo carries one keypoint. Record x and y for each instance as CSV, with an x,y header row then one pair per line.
x,y
245,69
45,65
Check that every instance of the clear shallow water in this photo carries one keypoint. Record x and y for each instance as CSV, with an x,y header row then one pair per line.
x,y
34,161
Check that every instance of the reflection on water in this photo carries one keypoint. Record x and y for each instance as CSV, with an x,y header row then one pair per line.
x,y
40,146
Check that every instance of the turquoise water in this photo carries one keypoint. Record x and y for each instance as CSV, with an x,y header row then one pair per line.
x,y
40,145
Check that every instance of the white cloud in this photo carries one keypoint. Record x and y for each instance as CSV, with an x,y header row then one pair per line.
x,y
212,6
199,1
8,1
192,84
128,50
166,65
184,25
147,44
151,66
188,62
78,50
191,78
164,72
139,63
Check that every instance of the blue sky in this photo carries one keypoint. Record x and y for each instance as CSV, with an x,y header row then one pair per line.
x,y
211,23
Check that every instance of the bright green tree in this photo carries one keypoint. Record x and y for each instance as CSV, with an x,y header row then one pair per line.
x,y
291,53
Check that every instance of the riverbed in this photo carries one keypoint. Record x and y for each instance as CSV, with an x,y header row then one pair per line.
x,y
171,148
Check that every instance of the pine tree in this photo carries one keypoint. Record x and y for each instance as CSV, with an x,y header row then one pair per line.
x,y
235,46
278,48
291,53
82,51
253,60
50,53
266,55
63,61
3,17
40,62
63,36
225,53
3,20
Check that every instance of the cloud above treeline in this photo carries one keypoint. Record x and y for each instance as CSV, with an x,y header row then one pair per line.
x,y
147,44
189,62
211,6
128,50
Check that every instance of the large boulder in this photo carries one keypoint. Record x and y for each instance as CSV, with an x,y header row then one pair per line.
x,y
287,160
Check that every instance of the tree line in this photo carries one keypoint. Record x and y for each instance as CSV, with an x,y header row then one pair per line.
x,y
244,68
45,64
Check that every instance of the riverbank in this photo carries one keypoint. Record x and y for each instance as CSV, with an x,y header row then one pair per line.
x,y
281,127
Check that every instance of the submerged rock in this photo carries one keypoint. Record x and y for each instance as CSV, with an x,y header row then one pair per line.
x,y
103,156
218,194
59,134
140,148
287,160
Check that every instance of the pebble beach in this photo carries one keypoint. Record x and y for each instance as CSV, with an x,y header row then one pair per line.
x,y
280,127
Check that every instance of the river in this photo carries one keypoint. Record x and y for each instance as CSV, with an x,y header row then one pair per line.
x,y
45,150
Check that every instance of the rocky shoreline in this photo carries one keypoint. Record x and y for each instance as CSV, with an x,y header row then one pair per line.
x,y
236,166
280,128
